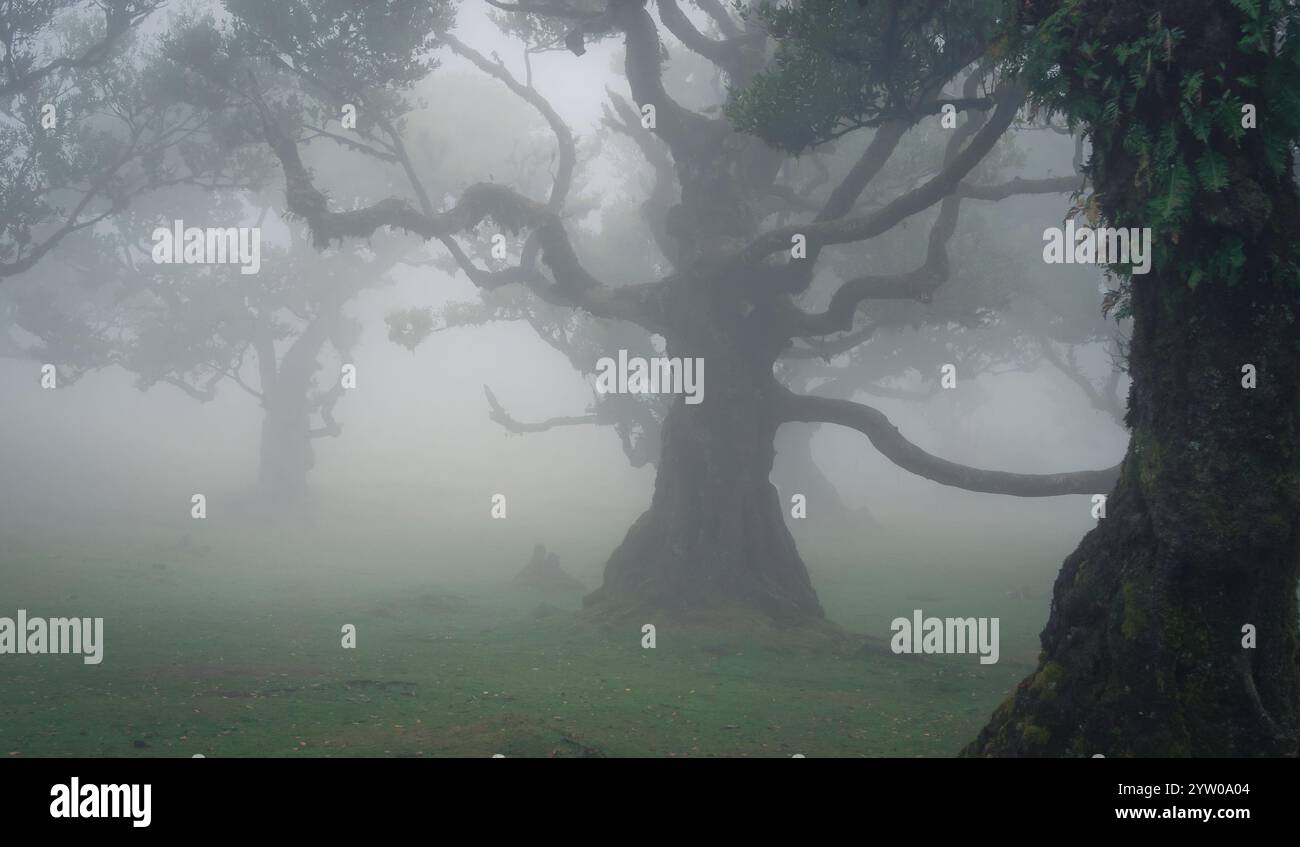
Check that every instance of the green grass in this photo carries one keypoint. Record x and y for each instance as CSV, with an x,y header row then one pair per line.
x,y
232,655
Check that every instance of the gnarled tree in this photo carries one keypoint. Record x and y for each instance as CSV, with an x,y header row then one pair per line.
x,y
714,533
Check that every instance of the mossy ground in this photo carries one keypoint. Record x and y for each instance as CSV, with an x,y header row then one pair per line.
x,y
232,655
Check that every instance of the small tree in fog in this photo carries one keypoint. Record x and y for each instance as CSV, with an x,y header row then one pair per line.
x,y
83,130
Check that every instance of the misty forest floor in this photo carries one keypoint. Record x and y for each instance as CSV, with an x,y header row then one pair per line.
x,y
217,655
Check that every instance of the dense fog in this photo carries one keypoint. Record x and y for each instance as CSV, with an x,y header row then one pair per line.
x,y
404,480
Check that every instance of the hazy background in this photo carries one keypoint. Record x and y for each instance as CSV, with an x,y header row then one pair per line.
x,y
419,458
404,494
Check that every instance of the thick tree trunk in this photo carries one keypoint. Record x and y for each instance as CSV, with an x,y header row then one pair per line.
x,y
1173,625
1144,653
714,533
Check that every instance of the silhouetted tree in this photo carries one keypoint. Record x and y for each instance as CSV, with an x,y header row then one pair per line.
x,y
714,533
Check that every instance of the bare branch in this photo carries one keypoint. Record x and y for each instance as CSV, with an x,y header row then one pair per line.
x,y
727,55
233,373
921,283
502,417
654,209
681,129
1102,399
348,143
203,394
563,135
872,160
846,230
886,438
574,285
715,10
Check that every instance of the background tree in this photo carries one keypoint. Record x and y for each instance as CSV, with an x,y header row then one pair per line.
x,y
87,123
714,533
992,320
101,302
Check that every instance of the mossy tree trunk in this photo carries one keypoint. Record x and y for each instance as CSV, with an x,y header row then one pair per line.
x,y
1146,651
1143,651
714,534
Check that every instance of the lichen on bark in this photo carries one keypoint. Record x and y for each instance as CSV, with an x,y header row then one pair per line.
x,y
1143,653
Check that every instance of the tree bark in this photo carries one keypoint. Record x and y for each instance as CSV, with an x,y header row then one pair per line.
x,y
714,534
1144,652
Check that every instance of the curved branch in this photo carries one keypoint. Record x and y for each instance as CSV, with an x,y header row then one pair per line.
x,y
233,373
681,129
574,285
879,152
714,9
846,230
1104,399
563,135
348,143
726,54
870,163
568,153
918,284
654,209
921,283
205,394
886,438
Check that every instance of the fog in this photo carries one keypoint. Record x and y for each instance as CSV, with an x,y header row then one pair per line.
x,y
97,475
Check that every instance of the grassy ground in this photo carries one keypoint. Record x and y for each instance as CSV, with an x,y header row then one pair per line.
x,y
224,655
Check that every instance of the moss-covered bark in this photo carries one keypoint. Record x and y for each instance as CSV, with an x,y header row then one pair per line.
x,y
1143,653
1144,650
